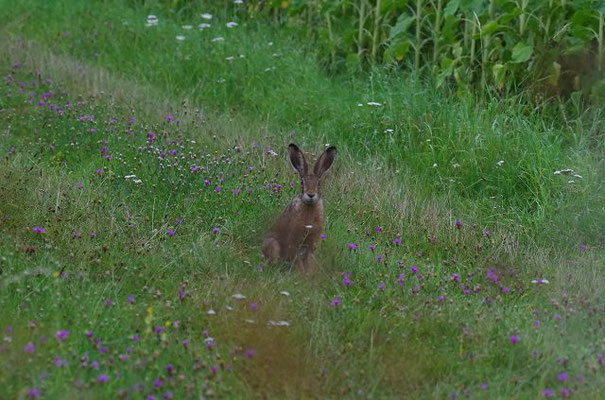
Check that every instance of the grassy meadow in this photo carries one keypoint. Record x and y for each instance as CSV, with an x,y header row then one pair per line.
x,y
142,161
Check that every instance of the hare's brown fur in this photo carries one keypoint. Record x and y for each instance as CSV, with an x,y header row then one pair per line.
x,y
295,234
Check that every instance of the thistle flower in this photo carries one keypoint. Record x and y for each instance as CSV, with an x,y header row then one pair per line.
x,y
514,339
352,246
336,301
62,335
37,229
102,378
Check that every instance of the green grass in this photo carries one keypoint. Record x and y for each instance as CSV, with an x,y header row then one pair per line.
x,y
399,342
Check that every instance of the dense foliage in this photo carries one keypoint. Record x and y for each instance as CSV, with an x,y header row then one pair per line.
x,y
557,46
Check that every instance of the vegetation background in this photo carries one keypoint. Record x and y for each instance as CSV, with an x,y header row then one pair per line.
x,y
143,157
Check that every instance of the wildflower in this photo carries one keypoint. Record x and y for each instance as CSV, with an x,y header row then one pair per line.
x,y
98,171
565,392
381,286
152,20
563,376
171,232
62,335
323,236
218,39
537,323
378,229
557,317
441,298
253,306
401,279
372,247
373,103
185,343
548,393
492,275
167,396
505,289
397,241
206,16
204,25
237,191
231,24
487,232
34,393
217,189
336,301
413,269
157,383
187,27
37,229
514,339
455,277
102,378
93,235
540,281
169,368
352,246
135,338
29,348
216,229
483,386
130,299
458,224
59,362
249,353
346,281
108,303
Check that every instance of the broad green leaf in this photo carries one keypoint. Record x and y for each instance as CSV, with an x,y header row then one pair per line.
x,y
522,52
489,28
451,7
403,23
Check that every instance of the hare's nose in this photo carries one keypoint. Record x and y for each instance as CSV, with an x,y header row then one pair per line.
x,y
311,195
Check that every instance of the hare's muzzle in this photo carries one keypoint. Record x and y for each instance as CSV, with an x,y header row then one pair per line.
x,y
310,198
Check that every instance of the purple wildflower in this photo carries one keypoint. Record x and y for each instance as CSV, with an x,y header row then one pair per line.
x,y
346,281
62,335
455,277
37,229
108,303
563,376
216,229
514,339
413,269
492,275
336,301
130,299
171,232
352,246
157,383
378,229
29,348
548,393
323,236
34,393
458,224
381,286
397,241
169,368
217,189
441,298
253,306
249,353
102,378
401,279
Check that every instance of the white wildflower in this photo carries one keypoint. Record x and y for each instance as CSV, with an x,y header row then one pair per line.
x,y
238,296
567,171
187,27
231,24
180,38
238,1
389,130
218,39
540,281
204,25
206,16
284,293
499,163
211,312
373,103
152,20
230,58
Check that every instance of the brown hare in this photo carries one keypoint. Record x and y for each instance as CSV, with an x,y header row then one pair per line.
x,y
295,234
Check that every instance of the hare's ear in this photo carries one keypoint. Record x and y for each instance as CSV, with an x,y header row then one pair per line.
x,y
297,159
325,161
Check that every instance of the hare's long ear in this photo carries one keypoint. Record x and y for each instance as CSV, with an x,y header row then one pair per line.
x,y
325,161
297,159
